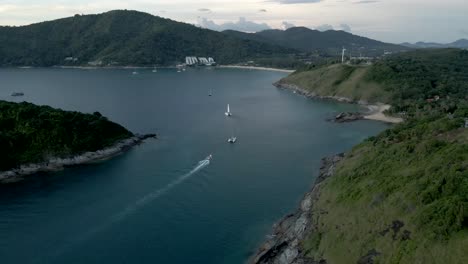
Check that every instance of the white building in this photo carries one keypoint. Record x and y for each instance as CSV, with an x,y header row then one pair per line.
x,y
190,61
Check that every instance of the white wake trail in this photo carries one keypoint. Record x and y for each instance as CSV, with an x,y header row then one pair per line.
x,y
129,210
157,193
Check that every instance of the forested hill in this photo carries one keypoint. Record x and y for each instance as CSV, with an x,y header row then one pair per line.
x,y
330,42
402,196
416,82
31,133
122,38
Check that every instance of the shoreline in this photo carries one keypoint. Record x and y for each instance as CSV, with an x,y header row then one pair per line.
x,y
255,68
376,111
58,164
129,67
284,244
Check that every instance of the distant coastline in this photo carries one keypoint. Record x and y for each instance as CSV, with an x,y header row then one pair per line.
x,y
163,67
255,68
58,164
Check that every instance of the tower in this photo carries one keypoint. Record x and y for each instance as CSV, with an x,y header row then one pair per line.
x,y
342,55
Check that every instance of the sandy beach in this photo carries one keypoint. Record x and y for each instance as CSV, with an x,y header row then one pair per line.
x,y
377,113
255,68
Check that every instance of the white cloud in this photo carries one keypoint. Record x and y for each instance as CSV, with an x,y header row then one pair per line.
x,y
324,27
345,27
285,25
297,1
241,25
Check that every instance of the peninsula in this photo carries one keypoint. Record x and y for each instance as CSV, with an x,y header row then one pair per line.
x,y
399,197
43,139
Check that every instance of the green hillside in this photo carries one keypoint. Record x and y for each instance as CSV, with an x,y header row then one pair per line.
x,y
402,196
330,42
406,80
31,133
122,38
340,81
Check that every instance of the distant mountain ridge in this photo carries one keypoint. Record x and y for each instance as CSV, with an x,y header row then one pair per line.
x,y
122,37
309,40
461,44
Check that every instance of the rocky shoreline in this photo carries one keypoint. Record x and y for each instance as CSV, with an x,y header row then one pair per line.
x,y
57,164
375,112
284,245
282,85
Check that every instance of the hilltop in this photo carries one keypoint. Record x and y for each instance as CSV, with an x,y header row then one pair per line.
x,y
122,37
328,42
461,44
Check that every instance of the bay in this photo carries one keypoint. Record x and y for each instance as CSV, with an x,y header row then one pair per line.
x,y
145,206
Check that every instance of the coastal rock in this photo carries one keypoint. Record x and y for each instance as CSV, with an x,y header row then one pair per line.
x,y
56,164
283,85
283,247
347,117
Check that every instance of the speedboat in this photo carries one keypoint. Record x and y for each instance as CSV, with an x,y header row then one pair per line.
x,y
228,112
232,140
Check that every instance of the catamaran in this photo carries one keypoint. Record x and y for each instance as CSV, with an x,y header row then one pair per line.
x,y
228,112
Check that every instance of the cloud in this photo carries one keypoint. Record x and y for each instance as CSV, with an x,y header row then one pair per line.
x,y
366,2
324,27
241,25
285,25
345,27
204,10
262,10
297,1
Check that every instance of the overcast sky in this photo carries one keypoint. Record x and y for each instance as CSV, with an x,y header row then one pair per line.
x,y
387,20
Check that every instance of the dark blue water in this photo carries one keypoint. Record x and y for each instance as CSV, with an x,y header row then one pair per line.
x,y
144,206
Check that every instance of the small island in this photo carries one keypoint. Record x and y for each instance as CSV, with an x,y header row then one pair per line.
x,y
43,139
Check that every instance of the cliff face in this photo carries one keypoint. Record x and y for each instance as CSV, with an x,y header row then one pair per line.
x,y
284,246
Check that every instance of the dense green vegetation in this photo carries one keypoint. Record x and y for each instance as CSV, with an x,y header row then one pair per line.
x,y
329,42
31,133
415,82
123,38
404,193
340,81
415,77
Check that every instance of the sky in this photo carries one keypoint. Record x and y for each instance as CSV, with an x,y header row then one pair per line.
x,y
393,21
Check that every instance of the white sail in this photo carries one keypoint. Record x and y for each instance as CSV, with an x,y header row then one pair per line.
x,y
228,109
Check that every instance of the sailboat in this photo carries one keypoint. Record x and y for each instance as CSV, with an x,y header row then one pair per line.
x,y
228,112
211,92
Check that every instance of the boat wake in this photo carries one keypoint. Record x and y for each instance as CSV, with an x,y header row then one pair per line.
x,y
157,193
133,208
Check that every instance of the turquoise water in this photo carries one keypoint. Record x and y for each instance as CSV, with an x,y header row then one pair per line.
x,y
152,204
